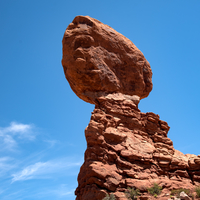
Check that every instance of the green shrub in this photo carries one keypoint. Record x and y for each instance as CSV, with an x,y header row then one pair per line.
x,y
132,193
178,191
192,196
156,189
109,197
197,190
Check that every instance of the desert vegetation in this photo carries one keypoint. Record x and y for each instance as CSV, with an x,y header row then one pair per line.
x,y
109,197
155,189
197,190
132,193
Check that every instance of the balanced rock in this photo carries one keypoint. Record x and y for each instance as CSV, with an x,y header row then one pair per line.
x,y
125,147
97,60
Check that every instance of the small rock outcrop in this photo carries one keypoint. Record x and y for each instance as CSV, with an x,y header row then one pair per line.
x,y
125,147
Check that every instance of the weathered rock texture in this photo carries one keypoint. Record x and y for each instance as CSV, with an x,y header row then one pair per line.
x,y
97,59
128,148
125,147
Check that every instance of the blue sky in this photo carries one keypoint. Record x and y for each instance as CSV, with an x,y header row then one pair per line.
x,y
42,121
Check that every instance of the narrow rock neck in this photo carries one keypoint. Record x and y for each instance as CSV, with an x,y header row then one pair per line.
x,y
118,103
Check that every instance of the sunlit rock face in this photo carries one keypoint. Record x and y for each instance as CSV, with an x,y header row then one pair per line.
x,y
125,147
97,60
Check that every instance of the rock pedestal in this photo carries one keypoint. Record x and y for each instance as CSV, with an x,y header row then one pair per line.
x,y
128,148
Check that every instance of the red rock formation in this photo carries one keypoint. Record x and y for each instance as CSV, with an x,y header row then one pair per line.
x,y
98,60
128,148
125,147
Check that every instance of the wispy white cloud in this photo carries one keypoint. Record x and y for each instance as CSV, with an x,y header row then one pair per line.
x,y
9,142
16,131
63,190
35,164
23,131
52,143
41,170
2,191
5,164
60,191
29,172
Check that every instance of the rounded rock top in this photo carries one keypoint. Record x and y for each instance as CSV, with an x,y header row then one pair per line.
x,y
97,60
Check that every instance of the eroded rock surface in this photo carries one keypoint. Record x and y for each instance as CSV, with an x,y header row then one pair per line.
x,y
98,60
125,147
128,148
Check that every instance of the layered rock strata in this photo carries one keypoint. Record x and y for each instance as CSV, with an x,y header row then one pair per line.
x,y
128,148
125,147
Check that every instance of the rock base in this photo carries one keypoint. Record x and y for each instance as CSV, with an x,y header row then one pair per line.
x,y
128,148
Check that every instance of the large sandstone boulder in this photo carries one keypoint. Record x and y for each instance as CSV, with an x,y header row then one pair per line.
x,y
97,60
125,147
